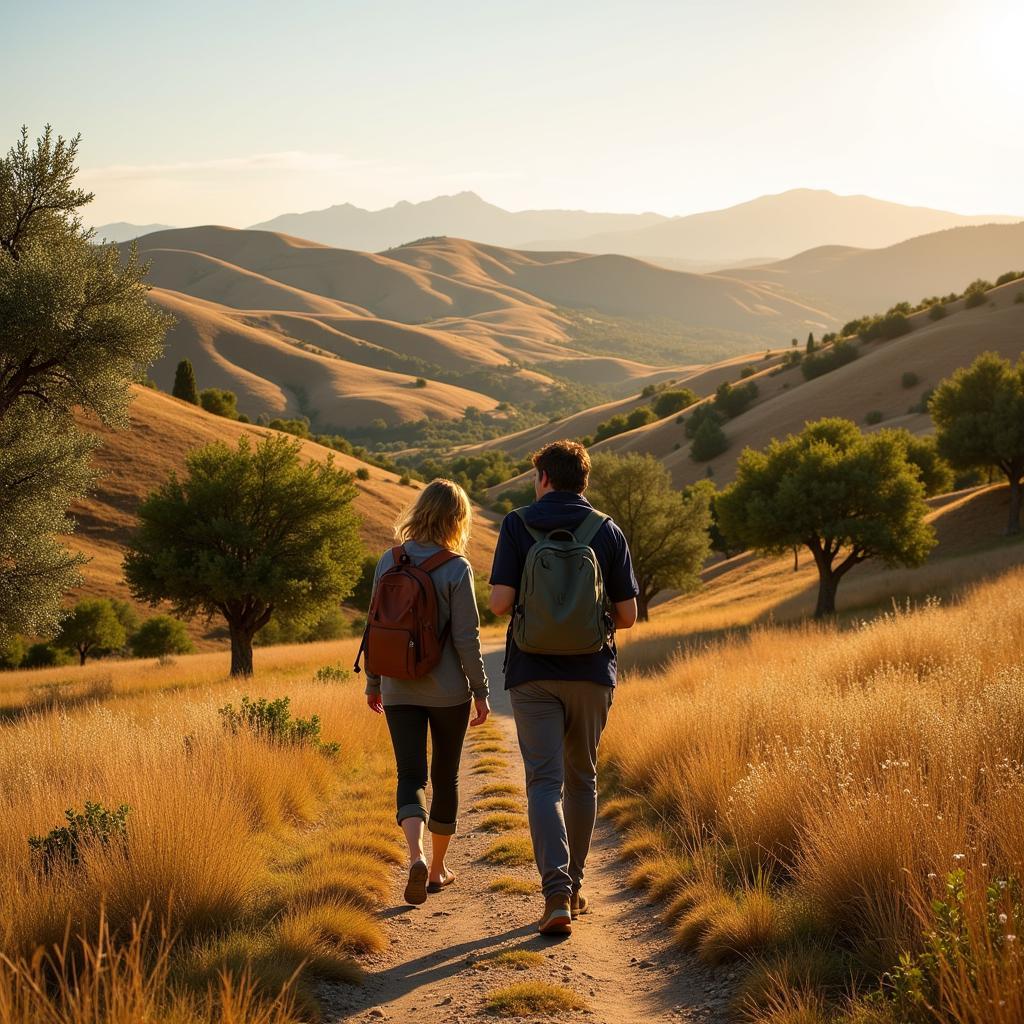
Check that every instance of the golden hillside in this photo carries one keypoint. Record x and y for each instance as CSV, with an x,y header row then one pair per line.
x,y
297,328
163,430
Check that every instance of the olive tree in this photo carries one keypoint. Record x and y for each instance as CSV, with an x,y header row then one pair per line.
x,y
92,626
979,422
75,330
667,530
245,533
846,496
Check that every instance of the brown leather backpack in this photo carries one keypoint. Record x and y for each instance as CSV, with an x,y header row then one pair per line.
x,y
401,639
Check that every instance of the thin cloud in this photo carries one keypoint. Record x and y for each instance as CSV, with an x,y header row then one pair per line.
x,y
288,160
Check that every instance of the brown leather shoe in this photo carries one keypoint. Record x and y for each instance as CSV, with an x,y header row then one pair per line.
x,y
579,904
557,919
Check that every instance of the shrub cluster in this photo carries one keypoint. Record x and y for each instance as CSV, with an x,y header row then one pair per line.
x,y
272,720
64,844
826,360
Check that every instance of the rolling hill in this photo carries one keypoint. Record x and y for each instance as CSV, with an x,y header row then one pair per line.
x,y
851,281
162,431
873,383
299,328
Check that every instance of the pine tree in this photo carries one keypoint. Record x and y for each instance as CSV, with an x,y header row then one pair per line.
x,y
810,342
185,386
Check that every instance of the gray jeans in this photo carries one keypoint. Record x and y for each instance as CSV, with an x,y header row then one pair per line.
x,y
559,725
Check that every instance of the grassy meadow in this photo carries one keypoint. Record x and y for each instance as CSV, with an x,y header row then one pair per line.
x,y
249,865
840,811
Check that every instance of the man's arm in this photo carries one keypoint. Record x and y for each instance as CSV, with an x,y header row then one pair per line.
x,y
624,613
503,599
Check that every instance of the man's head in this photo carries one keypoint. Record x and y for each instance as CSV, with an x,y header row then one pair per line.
x,y
561,466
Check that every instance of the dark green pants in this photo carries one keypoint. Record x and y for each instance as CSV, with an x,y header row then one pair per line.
x,y
408,725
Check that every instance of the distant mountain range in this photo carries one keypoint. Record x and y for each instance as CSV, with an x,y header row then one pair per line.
x,y
770,227
122,231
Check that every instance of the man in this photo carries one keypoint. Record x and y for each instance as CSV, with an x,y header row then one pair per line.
x,y
561,701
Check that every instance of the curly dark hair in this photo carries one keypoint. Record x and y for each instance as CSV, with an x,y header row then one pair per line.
x,y
567,464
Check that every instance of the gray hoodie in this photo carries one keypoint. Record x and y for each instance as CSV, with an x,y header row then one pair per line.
x,y
460,673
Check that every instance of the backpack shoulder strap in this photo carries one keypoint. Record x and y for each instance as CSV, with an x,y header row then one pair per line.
x,y
587,530
535,534
435,561
398,555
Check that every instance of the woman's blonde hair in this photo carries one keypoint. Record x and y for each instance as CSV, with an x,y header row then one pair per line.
x,y
440,515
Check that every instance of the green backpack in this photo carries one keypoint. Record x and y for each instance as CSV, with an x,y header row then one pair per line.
x,y
562,608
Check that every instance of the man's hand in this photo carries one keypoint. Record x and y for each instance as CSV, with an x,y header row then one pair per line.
x,y
375,702
483,709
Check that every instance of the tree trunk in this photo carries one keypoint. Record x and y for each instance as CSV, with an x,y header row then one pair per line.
x,y
643,600
81,656
1013,525
828,583
241,650
796,558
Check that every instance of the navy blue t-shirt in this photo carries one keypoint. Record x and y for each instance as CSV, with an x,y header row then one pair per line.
x,y
562,510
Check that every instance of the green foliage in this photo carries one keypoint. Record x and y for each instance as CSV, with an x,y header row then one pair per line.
x,y
620,423
75,331
954,946
297,427
248,533
827,360
747,371
909,379
44,466
733,400
975,294
703,412
272,721
64,845
362,473
332,674
421,382
405,480
45,655
185,386
477,472
937,312
873,417
160,637
219,402
12,652
708,441
482,592
979,421
811,347
1010,275
835,490
669,402
92,626
667,531
934,472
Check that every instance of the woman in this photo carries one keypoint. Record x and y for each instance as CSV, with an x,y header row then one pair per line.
x,y
440,701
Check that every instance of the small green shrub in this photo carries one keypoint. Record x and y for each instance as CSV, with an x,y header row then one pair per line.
x,y
332,674
405,480
873,417
272,720
421,382
219,402
1010,275
45,655
1019,297
747,371
827,360
64,844
910,379
937,312
362,473
709,441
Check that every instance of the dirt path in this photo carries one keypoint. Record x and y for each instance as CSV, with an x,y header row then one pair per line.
x,y
617,958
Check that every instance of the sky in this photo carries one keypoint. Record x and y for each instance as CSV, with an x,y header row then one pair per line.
x,y
215,112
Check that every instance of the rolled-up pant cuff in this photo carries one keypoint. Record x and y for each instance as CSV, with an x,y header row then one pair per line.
x,y
411,811
442,828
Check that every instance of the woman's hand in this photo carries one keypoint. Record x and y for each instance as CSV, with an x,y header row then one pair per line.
x,y
483,709
375,702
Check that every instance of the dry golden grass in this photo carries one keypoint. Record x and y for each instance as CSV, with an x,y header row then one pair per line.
x,y
224,831
534,997
502,821
512,851
824,783
499,803
514,885
517,959
501,789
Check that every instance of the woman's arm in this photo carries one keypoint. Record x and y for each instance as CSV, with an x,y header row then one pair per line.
x,y
465,633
